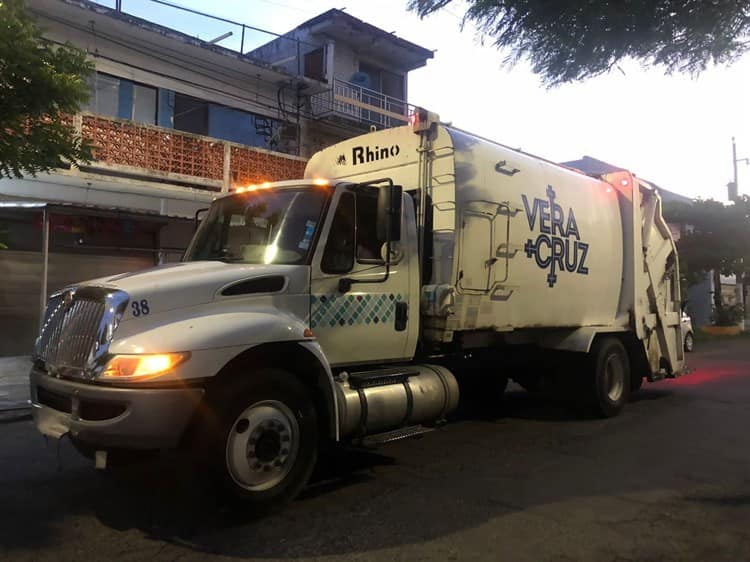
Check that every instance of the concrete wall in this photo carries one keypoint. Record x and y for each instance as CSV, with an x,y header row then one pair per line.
x,y
288,51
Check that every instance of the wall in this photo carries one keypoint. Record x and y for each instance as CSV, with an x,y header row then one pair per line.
x,y
288,51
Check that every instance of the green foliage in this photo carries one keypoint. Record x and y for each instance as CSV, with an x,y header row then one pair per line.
x,y
728,315
716,238
570,40
39,83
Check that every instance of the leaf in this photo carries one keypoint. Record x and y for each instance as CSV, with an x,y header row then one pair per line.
x,y
40,83
571,40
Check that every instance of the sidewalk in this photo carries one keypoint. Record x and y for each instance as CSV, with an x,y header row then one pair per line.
x,y
14,383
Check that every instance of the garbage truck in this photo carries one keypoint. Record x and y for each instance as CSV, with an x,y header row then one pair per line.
x,y
410,266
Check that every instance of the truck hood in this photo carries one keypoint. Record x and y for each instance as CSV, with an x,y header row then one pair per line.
x,y
187,284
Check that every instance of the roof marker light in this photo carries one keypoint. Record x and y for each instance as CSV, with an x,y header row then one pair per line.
x,y
320,181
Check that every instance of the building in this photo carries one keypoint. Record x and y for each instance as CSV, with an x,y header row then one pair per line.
x,y
174,120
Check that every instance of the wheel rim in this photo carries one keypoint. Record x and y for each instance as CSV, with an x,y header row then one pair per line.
x,y
262,445
614,377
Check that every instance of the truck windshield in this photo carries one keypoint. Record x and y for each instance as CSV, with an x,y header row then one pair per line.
x,y
264,226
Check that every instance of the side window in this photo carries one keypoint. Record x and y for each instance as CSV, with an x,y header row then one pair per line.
x,y
338,256
368,245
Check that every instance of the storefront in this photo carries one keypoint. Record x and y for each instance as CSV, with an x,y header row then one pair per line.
x,y
47,246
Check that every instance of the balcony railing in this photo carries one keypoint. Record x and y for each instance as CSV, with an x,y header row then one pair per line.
x,y
155,153
360,105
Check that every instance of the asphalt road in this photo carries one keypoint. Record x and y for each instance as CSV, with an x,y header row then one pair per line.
x,y
669,479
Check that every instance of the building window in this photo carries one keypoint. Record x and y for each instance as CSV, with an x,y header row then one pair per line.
x,y
384,81
144,104
393,85
117,97
105,95
190,114
315,65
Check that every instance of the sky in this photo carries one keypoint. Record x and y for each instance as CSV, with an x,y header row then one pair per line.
x,y
672,130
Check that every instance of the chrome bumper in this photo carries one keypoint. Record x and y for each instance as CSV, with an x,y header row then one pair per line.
x,y
135,418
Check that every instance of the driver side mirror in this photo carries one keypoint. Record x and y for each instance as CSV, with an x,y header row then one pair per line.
x,y
389,213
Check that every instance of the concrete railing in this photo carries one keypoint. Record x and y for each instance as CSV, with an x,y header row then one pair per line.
x,y
122,147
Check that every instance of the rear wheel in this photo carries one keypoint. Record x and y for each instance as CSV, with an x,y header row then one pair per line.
x,y
263,443
608,376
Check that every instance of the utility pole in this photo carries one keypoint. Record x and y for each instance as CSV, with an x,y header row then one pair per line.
x,y
734,194
733,191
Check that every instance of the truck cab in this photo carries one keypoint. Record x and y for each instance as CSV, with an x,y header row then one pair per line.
x,y
283,287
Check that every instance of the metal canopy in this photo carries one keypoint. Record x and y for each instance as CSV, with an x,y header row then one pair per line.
x,y
63,208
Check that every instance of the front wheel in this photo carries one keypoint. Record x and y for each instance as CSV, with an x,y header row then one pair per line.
x,y
608,376
689,342
264,442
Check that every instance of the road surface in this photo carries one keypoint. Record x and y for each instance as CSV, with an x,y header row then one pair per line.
x,y
669,479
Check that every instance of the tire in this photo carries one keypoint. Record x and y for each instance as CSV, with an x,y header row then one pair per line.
x,y
635,383
260,440
608,376
689,343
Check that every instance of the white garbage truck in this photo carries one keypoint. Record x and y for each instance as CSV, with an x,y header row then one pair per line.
x,y
358,304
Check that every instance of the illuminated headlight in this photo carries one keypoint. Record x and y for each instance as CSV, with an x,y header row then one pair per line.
x,y
142,367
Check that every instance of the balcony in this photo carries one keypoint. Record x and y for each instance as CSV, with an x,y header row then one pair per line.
x,y
360,106
151,153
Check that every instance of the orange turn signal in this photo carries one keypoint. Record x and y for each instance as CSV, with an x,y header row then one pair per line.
x,y
139,367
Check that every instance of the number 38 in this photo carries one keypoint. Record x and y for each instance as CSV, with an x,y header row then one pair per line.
x,y
140,308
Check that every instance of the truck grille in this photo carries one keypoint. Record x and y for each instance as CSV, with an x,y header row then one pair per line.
x,y
77,329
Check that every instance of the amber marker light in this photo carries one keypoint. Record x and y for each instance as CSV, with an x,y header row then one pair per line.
x,y
141,367
320,181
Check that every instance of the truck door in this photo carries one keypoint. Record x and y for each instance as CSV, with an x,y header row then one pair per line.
x,y
483,258
371,321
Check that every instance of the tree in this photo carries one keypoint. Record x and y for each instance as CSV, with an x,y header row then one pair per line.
x,y
570,40
717,239
40,83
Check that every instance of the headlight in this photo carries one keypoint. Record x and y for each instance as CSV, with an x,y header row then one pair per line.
x,y
139,367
